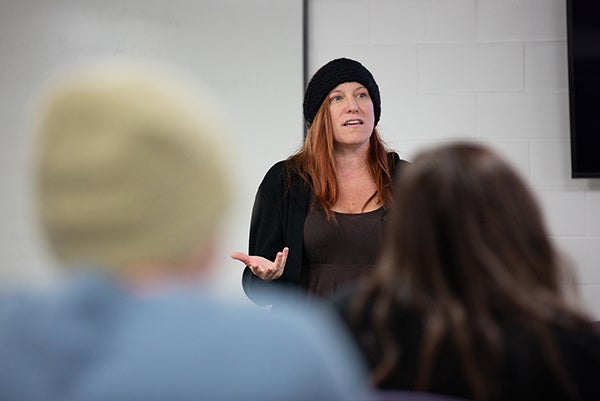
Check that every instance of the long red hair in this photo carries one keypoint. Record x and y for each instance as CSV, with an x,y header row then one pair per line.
x,y
314,162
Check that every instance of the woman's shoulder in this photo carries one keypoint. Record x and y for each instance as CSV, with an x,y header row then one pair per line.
x,y
275,173
395,160
283,170
277,168
280,178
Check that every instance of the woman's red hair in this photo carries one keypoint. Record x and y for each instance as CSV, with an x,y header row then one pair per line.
x,y
314,162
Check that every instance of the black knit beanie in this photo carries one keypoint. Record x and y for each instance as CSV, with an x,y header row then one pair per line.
x,y
331,75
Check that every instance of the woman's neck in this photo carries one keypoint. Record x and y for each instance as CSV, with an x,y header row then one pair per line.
x,y
351,161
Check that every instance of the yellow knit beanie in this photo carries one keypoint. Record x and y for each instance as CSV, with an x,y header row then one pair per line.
x,y
130,169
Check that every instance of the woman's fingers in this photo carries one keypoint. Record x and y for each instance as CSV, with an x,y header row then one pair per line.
x,y
279,264
284,257
262,267
254,262
242,257
250,261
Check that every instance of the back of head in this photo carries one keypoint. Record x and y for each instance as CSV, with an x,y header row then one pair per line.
x,y
129,168
467,227
467,252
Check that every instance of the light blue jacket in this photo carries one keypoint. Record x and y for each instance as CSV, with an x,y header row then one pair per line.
x,y
94,340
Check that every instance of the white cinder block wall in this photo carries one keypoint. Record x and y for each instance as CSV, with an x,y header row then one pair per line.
x,y
490,70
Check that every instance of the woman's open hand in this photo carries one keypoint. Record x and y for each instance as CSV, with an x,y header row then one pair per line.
x,y
263,267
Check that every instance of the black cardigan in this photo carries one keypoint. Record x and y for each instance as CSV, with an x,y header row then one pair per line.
x,y
278,221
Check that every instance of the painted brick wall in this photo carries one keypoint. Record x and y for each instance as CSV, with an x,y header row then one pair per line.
x,y
490,70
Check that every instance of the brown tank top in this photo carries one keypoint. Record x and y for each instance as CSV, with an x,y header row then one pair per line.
x,y
339,252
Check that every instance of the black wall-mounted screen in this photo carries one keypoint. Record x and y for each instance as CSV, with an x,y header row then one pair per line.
x,y
583,43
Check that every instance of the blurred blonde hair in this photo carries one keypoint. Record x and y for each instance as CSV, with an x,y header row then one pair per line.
x,y
130,168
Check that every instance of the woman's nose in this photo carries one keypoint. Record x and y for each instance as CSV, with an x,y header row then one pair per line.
x,y
352,105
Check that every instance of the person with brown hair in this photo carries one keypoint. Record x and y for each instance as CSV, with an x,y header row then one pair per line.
x,y
318,216
470,297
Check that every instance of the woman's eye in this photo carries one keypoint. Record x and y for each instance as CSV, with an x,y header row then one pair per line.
x,y
362,95
335,98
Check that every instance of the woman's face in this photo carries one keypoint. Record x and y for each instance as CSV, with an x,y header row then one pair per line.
x,y
351,113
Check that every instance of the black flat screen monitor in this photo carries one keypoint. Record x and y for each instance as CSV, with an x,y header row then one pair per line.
x,y
583,44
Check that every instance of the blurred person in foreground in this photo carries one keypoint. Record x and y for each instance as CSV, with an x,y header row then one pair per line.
x,y
471,298
131,191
